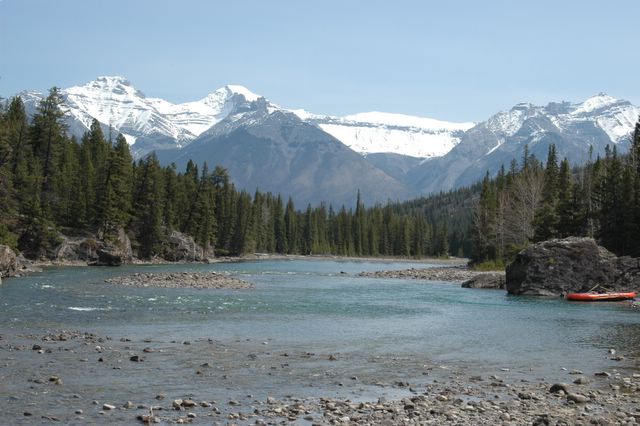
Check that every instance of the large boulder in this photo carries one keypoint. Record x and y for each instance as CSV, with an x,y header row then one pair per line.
x,y
560,266
73,249
9,264
112,251
115,251
183,248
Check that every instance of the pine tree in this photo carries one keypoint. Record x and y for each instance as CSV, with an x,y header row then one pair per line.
x,y
114,208
47,134
546,218
149,207
290,228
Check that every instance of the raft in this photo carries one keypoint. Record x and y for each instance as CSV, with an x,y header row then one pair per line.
x,y
601,297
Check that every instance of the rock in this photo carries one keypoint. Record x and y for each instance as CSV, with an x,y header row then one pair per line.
x,y
188,403
108,258
108,407
176,404
136,358
581,380
73,249
183,248
577,398
128,405
560,266
271,400
9,265
488,280
36,347
557,387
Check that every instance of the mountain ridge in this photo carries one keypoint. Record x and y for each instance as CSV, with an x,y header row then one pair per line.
x,y
398,156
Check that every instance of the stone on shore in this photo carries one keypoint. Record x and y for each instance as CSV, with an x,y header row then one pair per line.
x,y
486,280
9,264
183,248
560,266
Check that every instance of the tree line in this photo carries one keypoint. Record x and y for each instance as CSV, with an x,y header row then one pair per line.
x,y
536,202
52,184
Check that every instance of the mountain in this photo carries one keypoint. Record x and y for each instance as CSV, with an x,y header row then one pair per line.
x,y
153,124
575,129
273,150
319,157
147,123
380,132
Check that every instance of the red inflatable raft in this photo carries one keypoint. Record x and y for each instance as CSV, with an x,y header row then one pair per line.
x,y
601,297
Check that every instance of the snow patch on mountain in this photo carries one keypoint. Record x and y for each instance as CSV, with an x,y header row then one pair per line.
x,y
380,132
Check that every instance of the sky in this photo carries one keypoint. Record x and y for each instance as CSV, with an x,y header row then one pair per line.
x,y
456,60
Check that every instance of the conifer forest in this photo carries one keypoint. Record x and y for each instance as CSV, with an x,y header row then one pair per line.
x,y
52,184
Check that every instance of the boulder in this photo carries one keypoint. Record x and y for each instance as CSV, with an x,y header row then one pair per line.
x,y
560,266
112,251
108,257
488,280
9,264
73,249
183,248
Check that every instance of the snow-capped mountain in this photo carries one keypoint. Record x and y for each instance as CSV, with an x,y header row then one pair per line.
x,y
575,129
311,156
272,149
380,132
146,123
152,123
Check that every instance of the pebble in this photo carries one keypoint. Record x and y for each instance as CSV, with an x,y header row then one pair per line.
x,y
107,407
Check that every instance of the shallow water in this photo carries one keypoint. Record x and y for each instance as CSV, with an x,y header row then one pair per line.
x,y
379,329
310,303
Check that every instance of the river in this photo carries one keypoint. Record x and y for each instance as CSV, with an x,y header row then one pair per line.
x,y
308,328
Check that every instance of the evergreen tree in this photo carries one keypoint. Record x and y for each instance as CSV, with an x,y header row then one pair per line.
x,y
149,207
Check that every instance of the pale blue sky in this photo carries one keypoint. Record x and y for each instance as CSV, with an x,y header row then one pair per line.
x,y
453,60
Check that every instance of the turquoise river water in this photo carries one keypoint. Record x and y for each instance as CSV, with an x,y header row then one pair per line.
x,y
377,328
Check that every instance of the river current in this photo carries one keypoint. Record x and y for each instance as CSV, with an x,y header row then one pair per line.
x,y
382,329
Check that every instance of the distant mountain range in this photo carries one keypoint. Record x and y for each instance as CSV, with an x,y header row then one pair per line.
x,y
317,158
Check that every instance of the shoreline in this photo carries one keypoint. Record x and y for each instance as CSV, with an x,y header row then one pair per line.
x,y
47,378
31,266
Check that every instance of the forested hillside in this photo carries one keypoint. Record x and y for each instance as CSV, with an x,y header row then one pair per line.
x,y
53,185
536,202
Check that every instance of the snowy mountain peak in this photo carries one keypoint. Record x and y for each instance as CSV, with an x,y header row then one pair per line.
x,y
111,80
594,103
235,89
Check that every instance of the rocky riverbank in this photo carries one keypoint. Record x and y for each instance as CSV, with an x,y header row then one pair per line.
x,y
460,273
200,280
76,377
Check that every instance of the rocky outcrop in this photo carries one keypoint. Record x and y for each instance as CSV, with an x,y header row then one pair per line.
x,y
112,252
9,264
487,280
560,266
73,249
183,248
